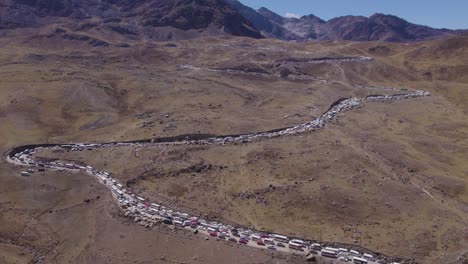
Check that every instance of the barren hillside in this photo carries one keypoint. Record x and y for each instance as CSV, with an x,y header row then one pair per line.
x,y
391,177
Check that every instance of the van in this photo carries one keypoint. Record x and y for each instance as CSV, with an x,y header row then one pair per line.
x,y
178,223
256,238
328,253
316,246
281,238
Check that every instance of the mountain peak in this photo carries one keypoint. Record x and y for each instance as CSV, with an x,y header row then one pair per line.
x,y
271,15
313,18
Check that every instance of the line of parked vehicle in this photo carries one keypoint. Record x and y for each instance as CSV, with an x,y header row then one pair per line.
x,y
147,214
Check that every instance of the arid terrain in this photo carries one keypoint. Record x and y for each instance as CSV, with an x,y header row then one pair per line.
x,y
391,177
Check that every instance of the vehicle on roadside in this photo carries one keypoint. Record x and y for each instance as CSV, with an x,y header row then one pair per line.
x,y
298,242
178,223
167,221
232,239
260,243
280,245
256,238
271,247
295,246
328,253
368,257
343,250
316,246
357,260
343,258
243,241
213,234
281,238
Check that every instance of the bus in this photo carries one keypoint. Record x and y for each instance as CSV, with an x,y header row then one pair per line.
x,y
297,241
357,260
295,246
281,238
328,253
332,249
368,256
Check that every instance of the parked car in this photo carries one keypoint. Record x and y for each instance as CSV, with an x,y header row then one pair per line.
x,y
243,241
280,245
260,243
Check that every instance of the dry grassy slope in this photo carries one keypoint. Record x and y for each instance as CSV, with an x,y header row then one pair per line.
x,y
376,176
47,216
69,93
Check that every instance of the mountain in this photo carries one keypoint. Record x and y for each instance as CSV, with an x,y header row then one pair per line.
x,y
91,20
378,27
161,19
266,25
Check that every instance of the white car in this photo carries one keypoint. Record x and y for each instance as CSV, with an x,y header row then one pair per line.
x,y
343,258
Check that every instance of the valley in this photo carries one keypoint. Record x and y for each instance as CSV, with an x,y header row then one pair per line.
x,y
386,176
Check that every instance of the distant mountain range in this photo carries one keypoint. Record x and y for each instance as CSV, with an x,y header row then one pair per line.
x,y
378,27
184,19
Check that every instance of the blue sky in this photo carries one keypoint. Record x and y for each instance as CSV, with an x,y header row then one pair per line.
x,y
435,13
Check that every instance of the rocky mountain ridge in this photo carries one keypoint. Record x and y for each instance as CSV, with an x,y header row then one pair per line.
x,y
163,20
378,27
